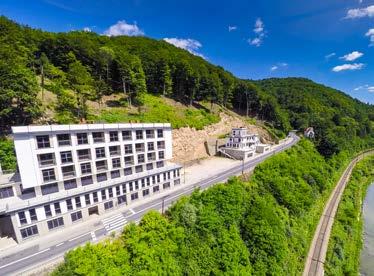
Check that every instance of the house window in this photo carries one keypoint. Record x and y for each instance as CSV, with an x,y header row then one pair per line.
x,y
87,199
127,171
63,139
86,168
126,135
108,205
139,168
103,194
161,144
84,154
145,192
98,137
101,166
134,196
47,210
78,203
101,177
139,147
141,158
76,216
160,133
48,175
57,208
68,171
160,164
70,184
128,149
33,215
150,133
29,231
66,157
149,166
116,163
113,135
22,218
69,204
46,159
86,180
139,134
166,185
122,199
156,189
151,156
82,138
6,192
129,160
43,141
161,155
115,174
151,146
100,152
54,223
95,197
49,189
114,150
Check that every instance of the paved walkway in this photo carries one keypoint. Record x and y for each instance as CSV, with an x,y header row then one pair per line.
x,y
318,249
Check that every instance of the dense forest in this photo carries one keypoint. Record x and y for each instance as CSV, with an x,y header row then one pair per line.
x,y
79,66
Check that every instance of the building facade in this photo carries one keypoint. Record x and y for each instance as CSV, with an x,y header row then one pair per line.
x,y
68,173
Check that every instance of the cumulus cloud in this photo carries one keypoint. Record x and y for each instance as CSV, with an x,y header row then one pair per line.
x,y
370,34
365,87
189,44
350,67
327,57
123,28
360,12
352,56
232,28
259,31
87,29
278,66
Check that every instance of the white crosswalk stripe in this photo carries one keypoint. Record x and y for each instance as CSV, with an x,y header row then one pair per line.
x,y
93,236
114,222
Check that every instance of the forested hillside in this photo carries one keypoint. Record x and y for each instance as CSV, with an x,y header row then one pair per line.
x,y
80,67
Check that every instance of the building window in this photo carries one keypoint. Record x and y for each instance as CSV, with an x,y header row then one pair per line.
x,y
86,168
78,203
103,195
101,177
100,152
46,159
134,196
49,175
139,169
149,166
177,182
151,146
70,184
145,192
136,185
124,188
141,158
161,144
68,171
54,223
82,138
110,190
57,208
114,150
143,182
148,181
6,192
126,135
108,205
29,231
84,154
116,163
160,133
29,192
151,156
156,189
128,149
86,180
115,174
95,197
150,133
113,135
87,199
122,199
98,137
158,178
161,155
47,210
43,141
139,134
22,217
129,160
76,216
69,204
160,164
131,186
66,157
49,189
139,147
33,215
101,166
63,139
166,185
127,171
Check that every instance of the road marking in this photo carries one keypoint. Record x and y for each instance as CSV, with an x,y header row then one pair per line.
x,y
27,257
77,237
93,236
57,245
132,211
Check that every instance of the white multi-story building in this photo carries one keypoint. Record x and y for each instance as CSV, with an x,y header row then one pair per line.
x,y
69,172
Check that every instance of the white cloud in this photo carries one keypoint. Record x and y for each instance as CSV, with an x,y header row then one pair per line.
x,y
189,44
273,68
330,56
259,31
257,41
370,34
351,67
352,56
232,28
361,12
259,26
365,87
87,29
278,66
123,28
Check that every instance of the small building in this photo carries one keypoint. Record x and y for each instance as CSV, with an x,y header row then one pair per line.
x,y
309,133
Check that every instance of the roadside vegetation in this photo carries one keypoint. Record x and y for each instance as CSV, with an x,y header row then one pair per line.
x,y
343,255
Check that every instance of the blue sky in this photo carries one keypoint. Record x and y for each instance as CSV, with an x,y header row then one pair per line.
x,y
253,39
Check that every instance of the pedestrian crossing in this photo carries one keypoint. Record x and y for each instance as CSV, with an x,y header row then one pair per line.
x,y
93,236
114,223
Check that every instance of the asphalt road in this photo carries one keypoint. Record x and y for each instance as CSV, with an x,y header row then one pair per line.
x,y
32,257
